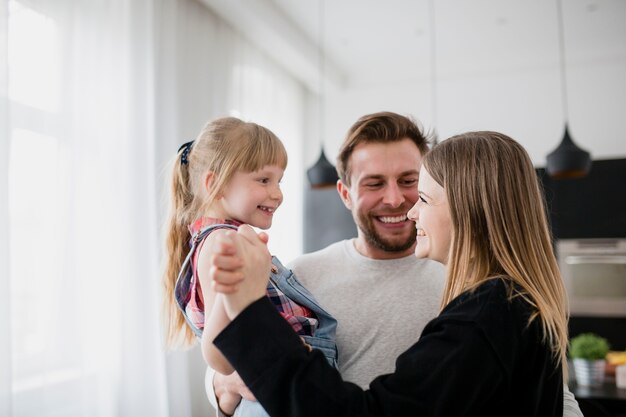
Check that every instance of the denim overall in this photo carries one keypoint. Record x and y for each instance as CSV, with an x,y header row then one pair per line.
x,y
283,279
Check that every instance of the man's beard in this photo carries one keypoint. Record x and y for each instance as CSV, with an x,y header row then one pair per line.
x,y
366,224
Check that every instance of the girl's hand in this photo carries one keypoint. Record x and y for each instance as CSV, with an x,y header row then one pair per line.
x,y
249,249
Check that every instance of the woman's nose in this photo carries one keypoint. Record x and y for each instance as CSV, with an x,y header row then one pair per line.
x,y
413,212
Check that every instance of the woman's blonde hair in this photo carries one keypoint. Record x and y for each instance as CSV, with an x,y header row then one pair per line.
x,y
500,228
223,147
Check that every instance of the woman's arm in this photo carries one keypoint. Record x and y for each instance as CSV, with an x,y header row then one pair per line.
x,y
450,372
466,362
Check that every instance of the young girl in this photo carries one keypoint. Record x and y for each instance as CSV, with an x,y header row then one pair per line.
x,y
229,176
497,347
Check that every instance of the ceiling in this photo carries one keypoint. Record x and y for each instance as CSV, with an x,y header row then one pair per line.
x,y
460,65
374,42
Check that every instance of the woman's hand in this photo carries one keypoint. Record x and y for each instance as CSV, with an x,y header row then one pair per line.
x,y
240,268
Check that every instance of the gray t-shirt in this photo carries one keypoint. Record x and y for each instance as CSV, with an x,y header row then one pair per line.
x,y
381,306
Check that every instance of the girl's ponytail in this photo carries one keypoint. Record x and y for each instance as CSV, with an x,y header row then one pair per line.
x,y
177,333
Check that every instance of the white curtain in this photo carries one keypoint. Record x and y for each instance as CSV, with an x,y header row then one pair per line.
x,y
95,98
83,281
5,306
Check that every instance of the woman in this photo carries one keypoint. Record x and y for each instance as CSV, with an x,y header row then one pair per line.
x,y
498,345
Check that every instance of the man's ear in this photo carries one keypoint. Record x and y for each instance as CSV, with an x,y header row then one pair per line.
x,y
344,193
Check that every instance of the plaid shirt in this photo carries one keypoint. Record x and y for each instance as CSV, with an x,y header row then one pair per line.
x,y
301,319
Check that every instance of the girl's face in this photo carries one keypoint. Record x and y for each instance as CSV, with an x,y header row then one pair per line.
x,y
431,215
253,197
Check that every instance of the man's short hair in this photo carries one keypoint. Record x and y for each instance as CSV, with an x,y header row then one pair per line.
x,y
381,127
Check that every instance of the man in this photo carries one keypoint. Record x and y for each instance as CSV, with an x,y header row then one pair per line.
x,y
380,294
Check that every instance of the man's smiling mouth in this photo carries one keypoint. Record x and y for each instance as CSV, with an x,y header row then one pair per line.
x,y
392,219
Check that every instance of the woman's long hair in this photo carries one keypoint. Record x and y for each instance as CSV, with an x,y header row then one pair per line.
x,y
223,147
499,226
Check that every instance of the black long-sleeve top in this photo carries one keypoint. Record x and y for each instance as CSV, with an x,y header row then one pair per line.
x,y
479,357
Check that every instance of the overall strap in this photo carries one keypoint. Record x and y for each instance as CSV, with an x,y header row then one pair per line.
x,y
182,289
202,233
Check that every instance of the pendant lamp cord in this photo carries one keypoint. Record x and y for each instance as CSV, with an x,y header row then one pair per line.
x,y
322,64
433,63
559,6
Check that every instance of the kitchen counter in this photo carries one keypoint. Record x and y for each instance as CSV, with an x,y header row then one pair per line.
x,y
608,396
607,391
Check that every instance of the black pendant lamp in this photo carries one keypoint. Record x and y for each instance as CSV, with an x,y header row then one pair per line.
x,y
567,160
323,173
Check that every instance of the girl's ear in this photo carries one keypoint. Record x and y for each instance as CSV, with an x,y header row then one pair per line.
x,y
209,180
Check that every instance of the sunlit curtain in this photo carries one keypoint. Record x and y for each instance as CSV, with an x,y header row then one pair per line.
x,y
5,306
83,294
95,98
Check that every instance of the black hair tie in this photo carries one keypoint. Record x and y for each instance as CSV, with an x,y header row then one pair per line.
x,y
185,147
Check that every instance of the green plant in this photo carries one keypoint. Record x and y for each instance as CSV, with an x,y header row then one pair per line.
x,y
588,346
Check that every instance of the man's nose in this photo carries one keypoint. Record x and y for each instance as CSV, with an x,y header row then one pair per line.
x,y
393,196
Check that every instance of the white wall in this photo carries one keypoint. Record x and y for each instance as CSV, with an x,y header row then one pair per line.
x,y
524,104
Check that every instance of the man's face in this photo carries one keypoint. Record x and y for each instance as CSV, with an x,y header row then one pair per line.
x,y
383,188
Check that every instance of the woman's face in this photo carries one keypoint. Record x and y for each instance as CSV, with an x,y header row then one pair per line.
x,y
431,215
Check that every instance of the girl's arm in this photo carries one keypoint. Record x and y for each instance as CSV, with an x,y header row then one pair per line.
x,y
214,322
215,318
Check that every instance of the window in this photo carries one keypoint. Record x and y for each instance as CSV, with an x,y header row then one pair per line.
x,y
41,342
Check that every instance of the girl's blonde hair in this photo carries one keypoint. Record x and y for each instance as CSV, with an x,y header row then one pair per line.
x,y
223,147
499,226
